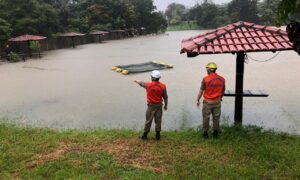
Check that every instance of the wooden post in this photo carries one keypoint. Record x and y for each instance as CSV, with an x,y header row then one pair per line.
x,y
29,49
73,41
239,88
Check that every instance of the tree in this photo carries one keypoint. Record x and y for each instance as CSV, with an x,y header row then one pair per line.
x,y
5,30
175,13
159,22
29,16
143,10
49,17
288,10
243,10
267,11
289,13
208,15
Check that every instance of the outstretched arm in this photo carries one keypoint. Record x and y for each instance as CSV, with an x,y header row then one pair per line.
x,y
141,83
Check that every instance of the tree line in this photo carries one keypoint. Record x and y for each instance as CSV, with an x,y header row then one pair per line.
x,y
51,17
210,15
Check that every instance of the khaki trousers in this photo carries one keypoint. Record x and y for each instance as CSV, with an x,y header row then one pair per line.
x,y
153,111
215,110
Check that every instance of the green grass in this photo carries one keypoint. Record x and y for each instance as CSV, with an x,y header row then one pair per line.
x,y
240,153
183,26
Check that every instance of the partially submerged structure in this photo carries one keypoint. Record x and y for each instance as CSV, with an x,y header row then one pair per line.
x,y
117,34
27,38
141,67
99,34
238,38
72,35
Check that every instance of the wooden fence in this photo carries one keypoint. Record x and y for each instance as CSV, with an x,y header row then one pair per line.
x,y
61,42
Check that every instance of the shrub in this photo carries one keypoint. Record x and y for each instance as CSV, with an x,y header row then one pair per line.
x,y
14,57
35,46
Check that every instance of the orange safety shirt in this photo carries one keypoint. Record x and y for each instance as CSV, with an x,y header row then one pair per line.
x,y
214,87
155,91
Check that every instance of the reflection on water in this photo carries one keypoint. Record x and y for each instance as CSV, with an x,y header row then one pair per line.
x,y
75,88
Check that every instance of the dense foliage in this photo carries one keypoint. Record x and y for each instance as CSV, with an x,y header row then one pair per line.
x,y
210,15
288,10
48,17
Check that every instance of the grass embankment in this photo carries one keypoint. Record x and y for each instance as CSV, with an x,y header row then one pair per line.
x,y
240,153
183,26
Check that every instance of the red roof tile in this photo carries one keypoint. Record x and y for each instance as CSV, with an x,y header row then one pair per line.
x,y
72,34
27,37
117,31
236,37
99,32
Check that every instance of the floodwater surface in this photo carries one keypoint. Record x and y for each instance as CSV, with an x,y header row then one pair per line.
x,y
76,88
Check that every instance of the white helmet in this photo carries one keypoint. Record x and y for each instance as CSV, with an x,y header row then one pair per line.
x,y
155,74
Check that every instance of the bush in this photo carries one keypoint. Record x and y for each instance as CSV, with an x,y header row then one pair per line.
x,y
14,57
35,46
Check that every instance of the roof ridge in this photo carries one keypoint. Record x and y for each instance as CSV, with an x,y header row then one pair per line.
x,y
214,34
207,40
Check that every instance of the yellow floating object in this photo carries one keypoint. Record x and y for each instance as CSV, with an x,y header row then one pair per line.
x,y
170,65
155,62
162,63
119,70
113,68
125,72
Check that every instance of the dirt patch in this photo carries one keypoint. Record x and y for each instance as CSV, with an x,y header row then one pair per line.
x,y
156,156
136,153
43,158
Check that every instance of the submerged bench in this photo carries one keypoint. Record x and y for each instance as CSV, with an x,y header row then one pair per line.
x,y
248,93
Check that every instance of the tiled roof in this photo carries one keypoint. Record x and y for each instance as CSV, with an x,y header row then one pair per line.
x,y
72,34
237,37
27,37
99,32
118,31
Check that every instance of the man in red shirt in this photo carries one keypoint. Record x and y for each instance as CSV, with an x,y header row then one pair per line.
x,y
212,89
156,94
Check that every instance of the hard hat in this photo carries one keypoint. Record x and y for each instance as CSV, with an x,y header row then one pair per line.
x,y
211,65
155,74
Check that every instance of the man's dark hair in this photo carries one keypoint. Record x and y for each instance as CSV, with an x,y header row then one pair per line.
x,y
155,79
212,70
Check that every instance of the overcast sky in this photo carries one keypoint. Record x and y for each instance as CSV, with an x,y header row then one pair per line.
x,y
162,4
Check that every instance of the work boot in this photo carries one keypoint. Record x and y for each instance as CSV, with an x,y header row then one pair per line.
x,y
157,136
205,135
144,137
216,134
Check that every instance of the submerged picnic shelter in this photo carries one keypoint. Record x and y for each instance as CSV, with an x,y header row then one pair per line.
x,y
72,35
27,38
238,38
99,34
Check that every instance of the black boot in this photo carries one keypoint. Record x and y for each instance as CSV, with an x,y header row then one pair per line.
x,y
144,137
157,136
216,134
205,135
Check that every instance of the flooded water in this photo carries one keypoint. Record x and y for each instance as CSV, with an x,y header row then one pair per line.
x,y
76,88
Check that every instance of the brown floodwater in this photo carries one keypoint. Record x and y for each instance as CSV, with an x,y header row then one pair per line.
x,y
76,88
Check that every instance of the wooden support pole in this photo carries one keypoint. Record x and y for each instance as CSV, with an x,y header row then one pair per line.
x,y
73,43
29,49
99,38
239,88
